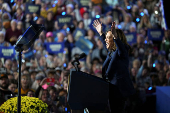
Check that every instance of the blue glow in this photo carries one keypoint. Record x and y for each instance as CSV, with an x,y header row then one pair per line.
x,y
141,14
53,5
63,13
128,7
61,85
154,65
34,51
55,1
46,56
33,0
35,18
64,64
150,88
68,112
64,52
65,109
97,16
68,29
137,19
119,26
145,41
12,1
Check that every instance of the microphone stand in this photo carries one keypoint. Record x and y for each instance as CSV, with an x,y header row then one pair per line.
x,y
19,80
75,63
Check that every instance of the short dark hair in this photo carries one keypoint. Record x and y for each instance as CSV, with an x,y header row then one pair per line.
x,y
51,88
13,81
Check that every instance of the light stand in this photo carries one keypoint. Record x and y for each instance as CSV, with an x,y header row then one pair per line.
x,y
24,43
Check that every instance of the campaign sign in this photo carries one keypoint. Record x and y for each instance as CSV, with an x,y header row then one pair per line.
x,y
66,19
78,33
84,3
7,52
155,34
55,47
32,8
131,38
84,44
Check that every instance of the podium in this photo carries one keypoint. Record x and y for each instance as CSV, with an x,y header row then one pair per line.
x,y
87,91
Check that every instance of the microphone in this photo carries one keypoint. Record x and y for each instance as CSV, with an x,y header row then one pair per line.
x,y
82,55
76,62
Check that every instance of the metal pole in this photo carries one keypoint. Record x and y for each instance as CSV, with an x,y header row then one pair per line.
x,y
19,84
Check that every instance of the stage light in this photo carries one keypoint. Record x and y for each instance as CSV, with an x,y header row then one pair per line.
x,y
119,26
97,16
154,65
156,12
63,13
55,1
35,18
23,60
137,19
150,88
65,109
67,29
34,51
128,7
145,41
64,64
46,56
141,14
12,1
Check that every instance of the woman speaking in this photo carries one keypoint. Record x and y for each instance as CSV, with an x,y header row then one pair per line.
x,y
115,67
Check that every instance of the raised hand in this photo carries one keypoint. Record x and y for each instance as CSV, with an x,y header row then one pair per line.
x,y
114,30
98,26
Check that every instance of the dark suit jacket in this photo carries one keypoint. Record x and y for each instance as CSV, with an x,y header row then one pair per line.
x,y
115,67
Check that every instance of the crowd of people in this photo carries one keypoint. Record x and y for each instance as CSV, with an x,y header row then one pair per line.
x,y
45,75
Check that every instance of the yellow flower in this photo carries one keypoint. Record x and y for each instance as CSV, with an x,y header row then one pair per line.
x,y
28,104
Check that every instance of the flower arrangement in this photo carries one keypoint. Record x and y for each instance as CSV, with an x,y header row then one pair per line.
x,y
28,105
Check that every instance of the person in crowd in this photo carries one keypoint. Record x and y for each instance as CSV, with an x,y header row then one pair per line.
x,y
25,84
8,65
5,94
49,22
4,7
31,93
2,40
118,50
12,34
125,25
145,23
19,15
45,97
13,85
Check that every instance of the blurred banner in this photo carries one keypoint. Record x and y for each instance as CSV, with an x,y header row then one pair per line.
x,y
131,38
32,8
78,33
155,34
29,54
65,19
7,52
84,3
54,47
84,44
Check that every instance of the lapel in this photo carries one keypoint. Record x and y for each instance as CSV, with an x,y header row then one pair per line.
x,y
107,59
